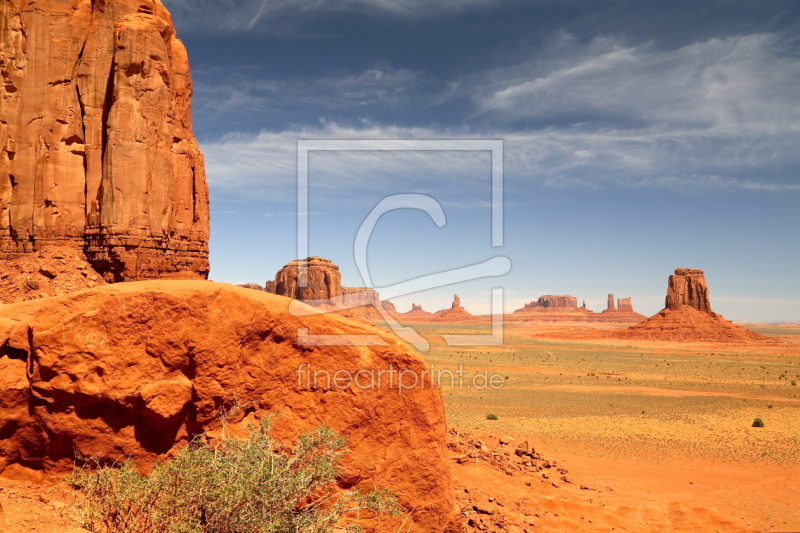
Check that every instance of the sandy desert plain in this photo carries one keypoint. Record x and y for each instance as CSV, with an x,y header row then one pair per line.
x,y
655,436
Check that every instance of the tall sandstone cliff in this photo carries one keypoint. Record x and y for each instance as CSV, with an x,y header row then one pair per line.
x,y
96,143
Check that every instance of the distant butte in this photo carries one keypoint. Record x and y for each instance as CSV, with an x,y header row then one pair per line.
x,y
687,315
323,287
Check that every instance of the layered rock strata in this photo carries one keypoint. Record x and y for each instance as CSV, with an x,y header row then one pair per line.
x,y
139,369
96,143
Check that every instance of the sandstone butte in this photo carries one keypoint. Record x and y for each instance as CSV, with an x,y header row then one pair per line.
x,y
565,309
687,315
138,369
455,313
96,143
323,287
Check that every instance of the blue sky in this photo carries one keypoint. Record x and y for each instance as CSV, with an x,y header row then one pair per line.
x,y
639,137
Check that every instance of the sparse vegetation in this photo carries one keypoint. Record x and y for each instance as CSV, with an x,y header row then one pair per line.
x,y
758,423
233,485
491,416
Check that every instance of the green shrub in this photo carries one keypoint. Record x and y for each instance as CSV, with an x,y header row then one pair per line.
x,y
491,416
758,423
794,383
234,485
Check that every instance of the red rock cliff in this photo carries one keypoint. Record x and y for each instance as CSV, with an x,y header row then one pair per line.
x,y
96,143
688,287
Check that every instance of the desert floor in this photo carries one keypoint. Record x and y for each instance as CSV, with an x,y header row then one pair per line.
x,y
648,436
662,430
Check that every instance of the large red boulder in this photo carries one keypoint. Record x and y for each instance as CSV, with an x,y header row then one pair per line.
x,y
138,369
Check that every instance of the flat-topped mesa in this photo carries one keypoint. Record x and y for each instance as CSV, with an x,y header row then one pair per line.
x,y
96,144
688,287
552,301
625,305
388,306
323,285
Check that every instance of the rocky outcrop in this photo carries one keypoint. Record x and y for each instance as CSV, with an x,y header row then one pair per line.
x,y
254,286
688,287
323,281
455,313
138,369
416,312
389,306
359,297
688,316
53,271
625,305
551,301
96,143
565,309
623,311
324,285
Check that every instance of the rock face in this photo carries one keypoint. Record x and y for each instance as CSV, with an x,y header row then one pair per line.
x,y
324,286
389,306
688,316
96,143
611,303
688,287
138,369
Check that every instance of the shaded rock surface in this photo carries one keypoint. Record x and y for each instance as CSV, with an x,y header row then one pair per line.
x,y
138,369
688,287
96,143
53,271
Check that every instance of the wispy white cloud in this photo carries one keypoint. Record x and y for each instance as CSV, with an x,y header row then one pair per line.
x,y
719,86
266,163
275,15
716,115
235,91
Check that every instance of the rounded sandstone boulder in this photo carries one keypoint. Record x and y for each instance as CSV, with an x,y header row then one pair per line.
x,y
138,369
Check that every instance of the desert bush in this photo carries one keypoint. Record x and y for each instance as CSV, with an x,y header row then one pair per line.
x,y
758,423
491,416
232,485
